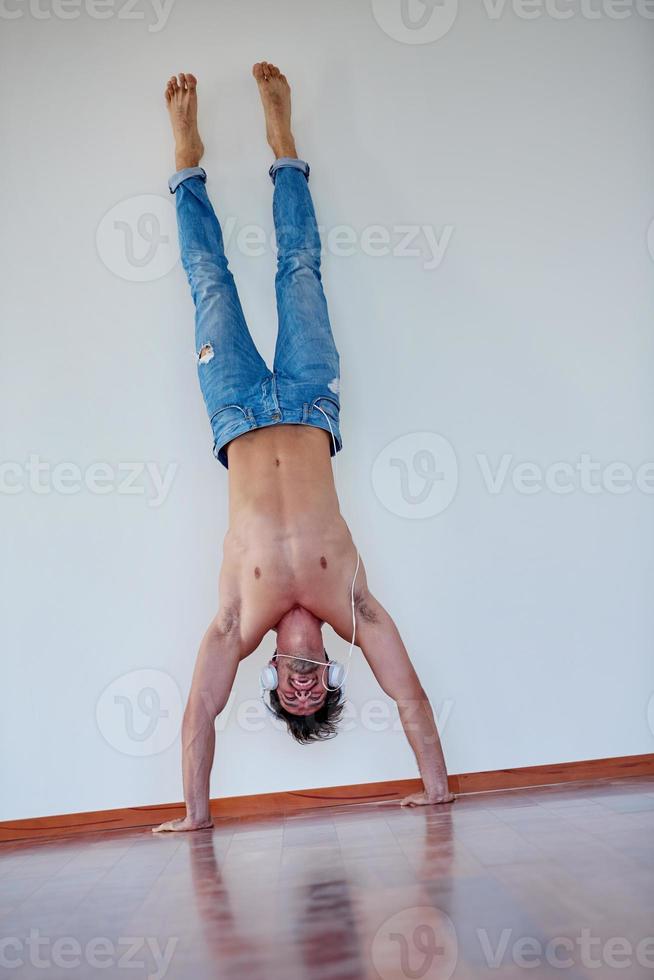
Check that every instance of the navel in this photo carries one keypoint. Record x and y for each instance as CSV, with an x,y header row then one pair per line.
x,y
323,562
257,572
276,462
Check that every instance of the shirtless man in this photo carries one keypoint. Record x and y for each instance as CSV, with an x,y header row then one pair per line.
x,y
289,562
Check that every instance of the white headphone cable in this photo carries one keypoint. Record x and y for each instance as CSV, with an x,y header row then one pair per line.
x,y
356,572
354,621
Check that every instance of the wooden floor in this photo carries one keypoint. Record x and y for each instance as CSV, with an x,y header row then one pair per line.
x,y
548,882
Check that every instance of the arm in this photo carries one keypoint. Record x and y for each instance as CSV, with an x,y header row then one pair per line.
x,y
384,650
213,677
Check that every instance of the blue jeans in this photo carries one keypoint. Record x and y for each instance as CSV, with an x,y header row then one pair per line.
x,y
240,392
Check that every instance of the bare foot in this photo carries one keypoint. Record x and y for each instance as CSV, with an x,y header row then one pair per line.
x,y
182,100
275,95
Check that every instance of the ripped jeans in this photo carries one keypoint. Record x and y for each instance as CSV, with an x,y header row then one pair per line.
x,y
239,390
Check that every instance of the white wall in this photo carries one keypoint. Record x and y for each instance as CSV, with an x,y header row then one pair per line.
x,y
529,615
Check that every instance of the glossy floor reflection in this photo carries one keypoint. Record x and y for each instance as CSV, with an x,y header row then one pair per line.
x,y
548,882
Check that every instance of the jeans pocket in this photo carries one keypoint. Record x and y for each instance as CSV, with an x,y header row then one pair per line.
x,y
329,406
327,409
228,417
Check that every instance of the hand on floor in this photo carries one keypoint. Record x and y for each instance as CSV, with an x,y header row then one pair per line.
x,y
423,799
181,825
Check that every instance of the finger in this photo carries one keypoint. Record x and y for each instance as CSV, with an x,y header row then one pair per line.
x,y
163,827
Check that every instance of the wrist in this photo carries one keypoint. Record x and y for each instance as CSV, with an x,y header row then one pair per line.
x,y
436,788
198,813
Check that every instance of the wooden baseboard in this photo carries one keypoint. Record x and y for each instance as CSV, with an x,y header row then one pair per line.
x,y
279,804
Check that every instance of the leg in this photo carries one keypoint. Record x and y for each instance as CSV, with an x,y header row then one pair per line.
x,y
306,359
230,368
229,364
305,350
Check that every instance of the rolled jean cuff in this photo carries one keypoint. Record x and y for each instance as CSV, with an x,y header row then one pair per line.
x,y
289,162
184,174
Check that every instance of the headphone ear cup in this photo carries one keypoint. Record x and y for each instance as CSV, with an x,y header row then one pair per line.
x,y
268,678
336,675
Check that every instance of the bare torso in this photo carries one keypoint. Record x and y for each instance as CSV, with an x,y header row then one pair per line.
x,y
287,543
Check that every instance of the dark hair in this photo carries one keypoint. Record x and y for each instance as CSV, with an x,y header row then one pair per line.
x,y
311,728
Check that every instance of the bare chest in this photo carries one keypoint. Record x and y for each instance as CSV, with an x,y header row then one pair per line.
x,y
273,572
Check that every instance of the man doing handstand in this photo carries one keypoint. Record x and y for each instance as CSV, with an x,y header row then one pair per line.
x,y
289,562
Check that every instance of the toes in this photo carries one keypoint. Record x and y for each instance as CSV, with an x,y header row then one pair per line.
x,y
173,84
191,81
182,81
264,71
